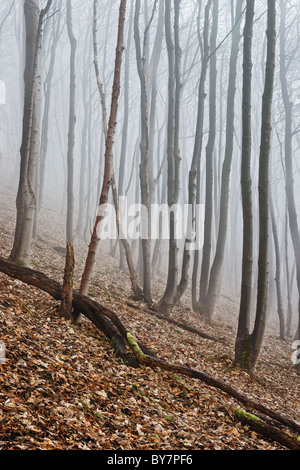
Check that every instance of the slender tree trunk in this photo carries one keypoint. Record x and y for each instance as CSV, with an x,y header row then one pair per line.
x,y
194,173
246,187
123,241
122,164
289,186
67,288
108,169
173,152
263,189
26,200
288,279
215,272
154,63
71,131
144,149
278,270
47,92
84,188
205,267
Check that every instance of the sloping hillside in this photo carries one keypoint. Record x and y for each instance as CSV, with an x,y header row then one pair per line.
x,y
63,388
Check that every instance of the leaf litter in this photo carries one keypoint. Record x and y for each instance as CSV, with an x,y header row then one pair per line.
x,y
62,387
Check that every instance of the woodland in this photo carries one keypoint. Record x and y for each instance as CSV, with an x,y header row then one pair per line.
x,y
149,239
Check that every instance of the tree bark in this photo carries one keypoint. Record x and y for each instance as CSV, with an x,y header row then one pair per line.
x,y
108,170
246,188
169,297
215,272
278,271
26,200
289,178
267,430
67,288
194,172
71,131
263,189
144,149
206,257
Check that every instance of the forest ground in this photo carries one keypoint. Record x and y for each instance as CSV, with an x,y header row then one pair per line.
x,y
62,387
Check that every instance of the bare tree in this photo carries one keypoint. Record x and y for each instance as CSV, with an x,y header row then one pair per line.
x,y
289,178
246,187
254,342
215,272
108,169
26,200
71,131
173,153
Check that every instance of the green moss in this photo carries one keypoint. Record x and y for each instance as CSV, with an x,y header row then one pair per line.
x,y
134,345
20,263
245,355
241,414
178,379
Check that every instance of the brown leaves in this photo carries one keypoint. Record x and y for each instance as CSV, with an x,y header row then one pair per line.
x,y
62,387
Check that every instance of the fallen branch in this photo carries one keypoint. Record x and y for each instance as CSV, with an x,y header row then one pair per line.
x,y
96,313
268,431
108,322
184,326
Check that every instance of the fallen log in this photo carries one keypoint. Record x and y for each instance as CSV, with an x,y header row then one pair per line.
x,y
109,323
266,430
96,313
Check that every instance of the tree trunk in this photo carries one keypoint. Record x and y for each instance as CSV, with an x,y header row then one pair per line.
x,y
278,271
26,200
67,288
215,272
71,131
263,189
123,159
194,173
144,149
173,153
56,32
289,179
108,169
246,187
205,267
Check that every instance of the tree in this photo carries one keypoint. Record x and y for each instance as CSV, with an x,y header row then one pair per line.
x,y
215,272
205,267
173,153
71,131
254,341
289,178
26,200
246,187
194,172
280,309
108,170
144,147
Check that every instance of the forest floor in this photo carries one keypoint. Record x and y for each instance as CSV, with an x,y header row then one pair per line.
x,y
62,387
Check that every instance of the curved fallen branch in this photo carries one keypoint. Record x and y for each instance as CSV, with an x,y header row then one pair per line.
x,y
266,430
184,326
108,322
98,314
